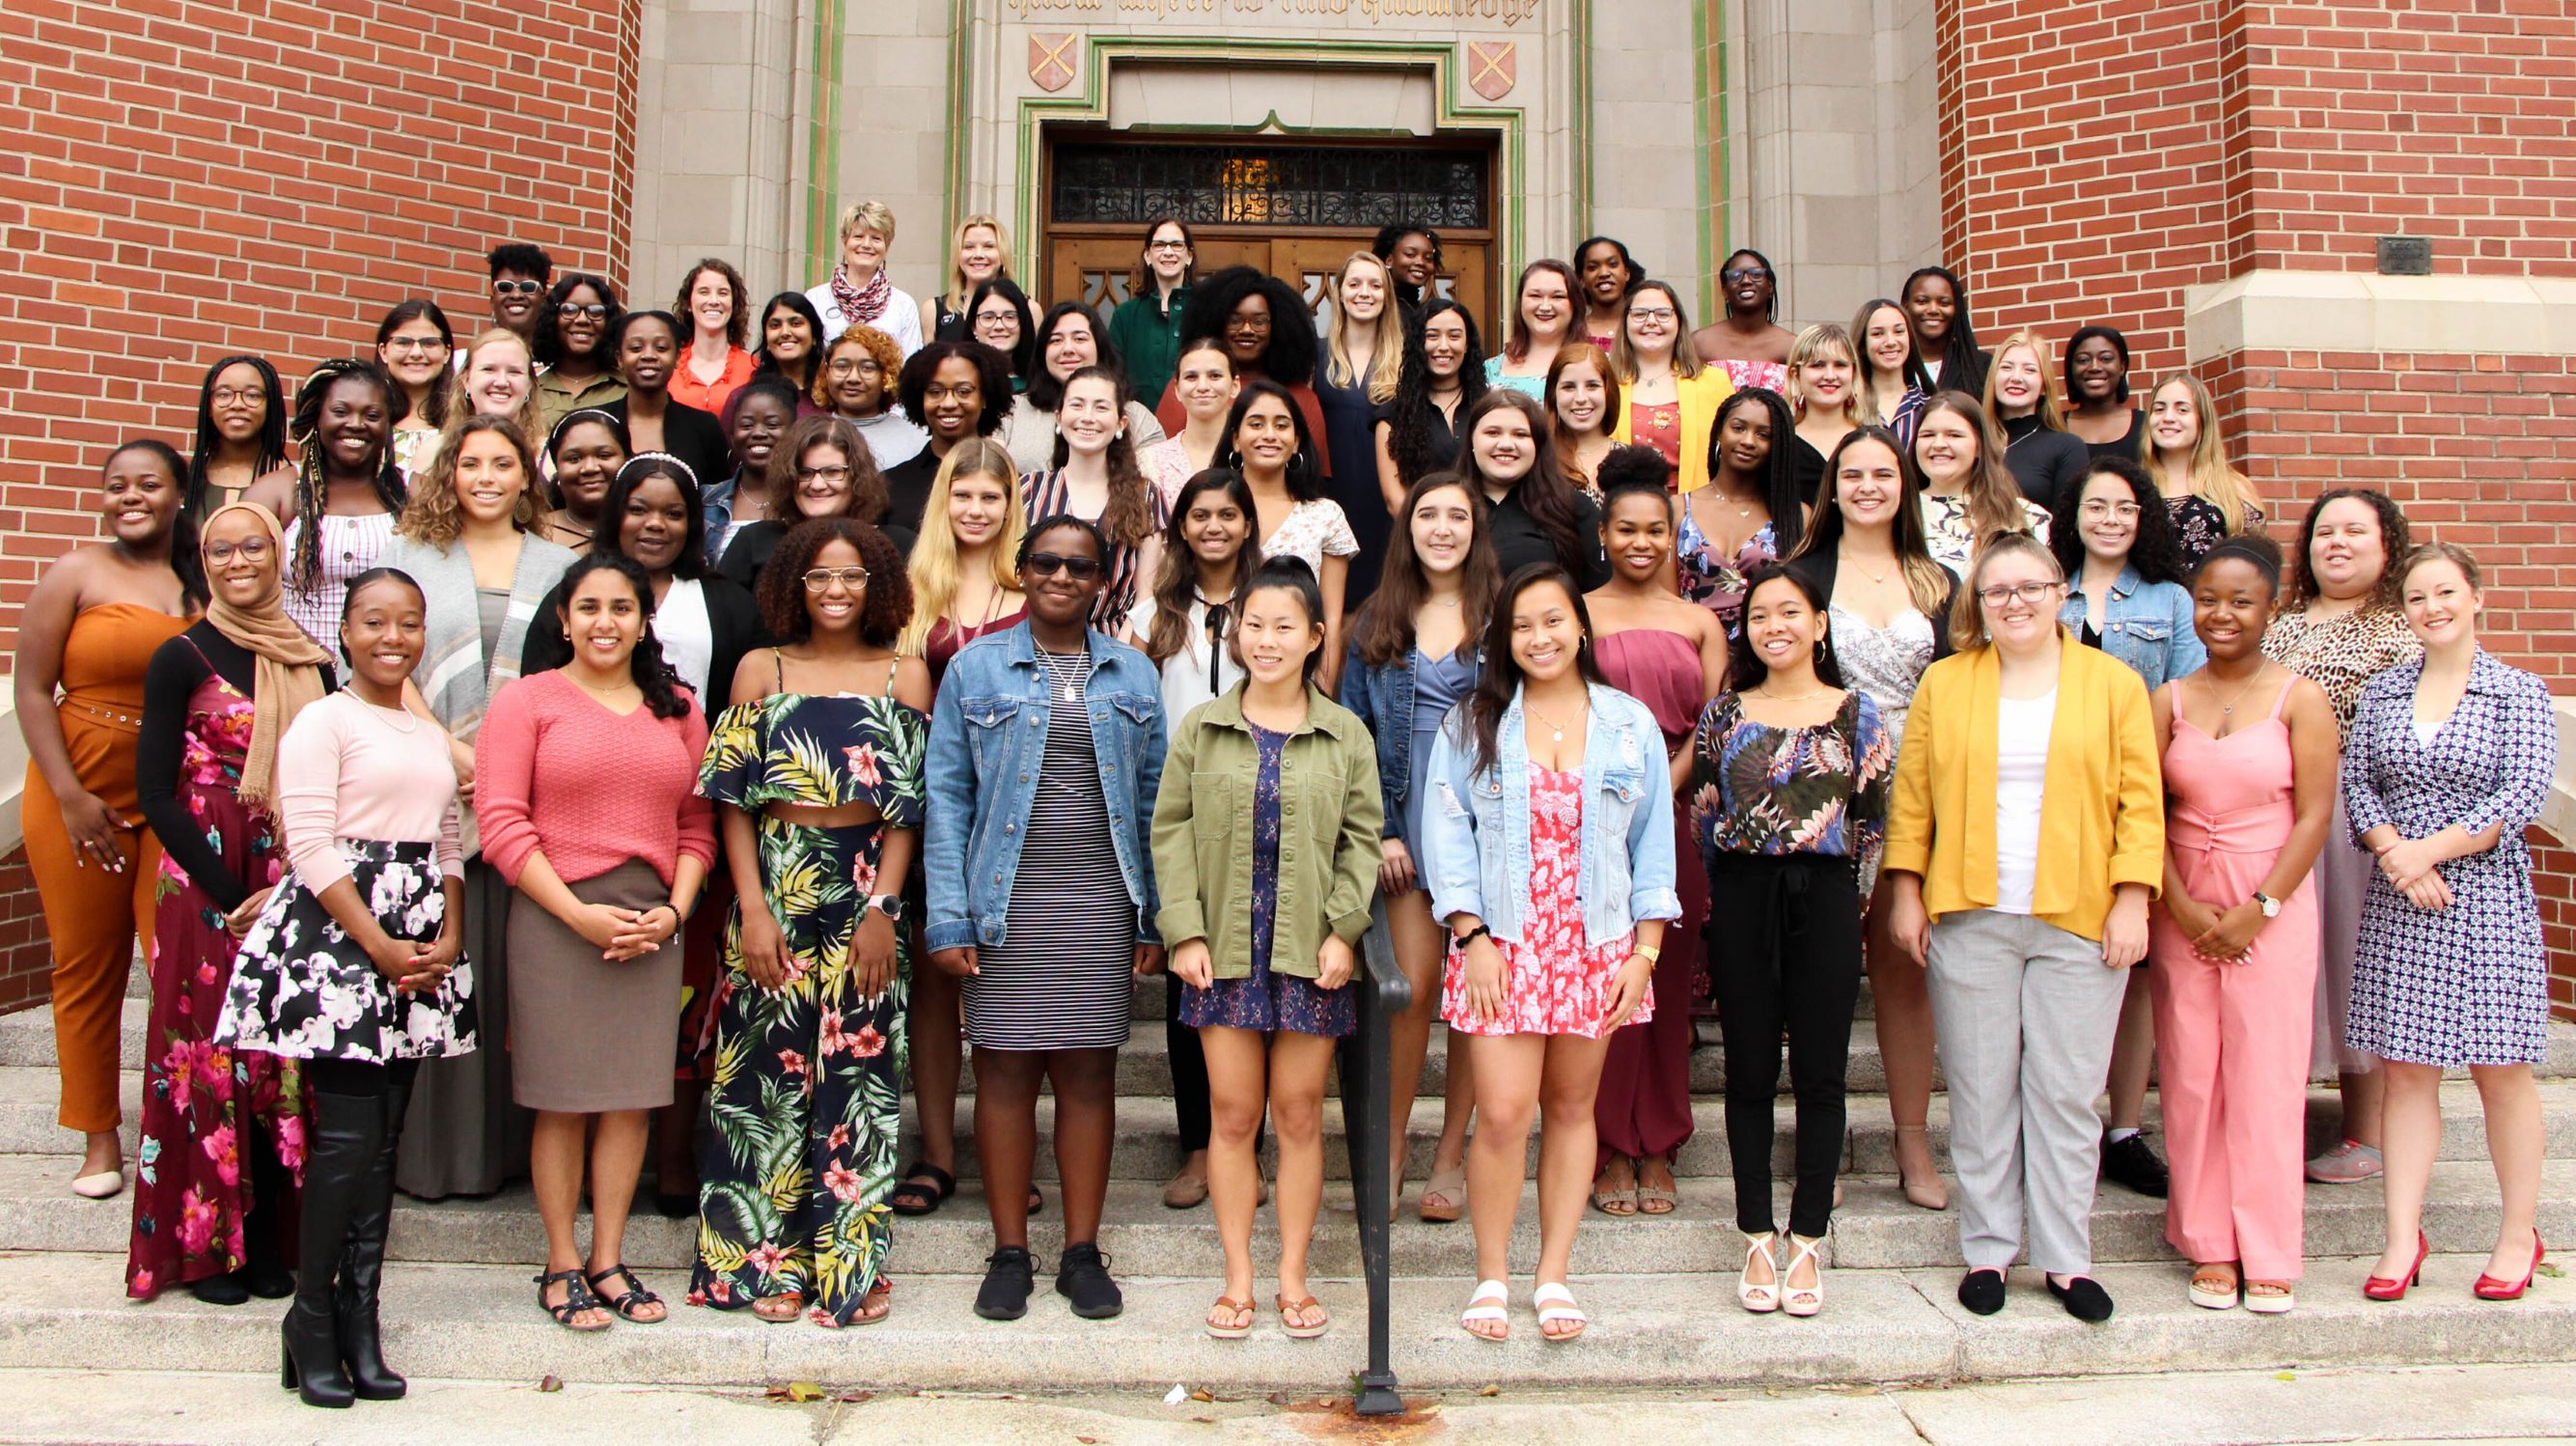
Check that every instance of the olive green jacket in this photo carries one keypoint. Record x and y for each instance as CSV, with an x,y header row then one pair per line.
x,y
1330,820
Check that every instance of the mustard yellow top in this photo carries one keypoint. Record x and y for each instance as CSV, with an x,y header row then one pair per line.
x,y
1700,398
2102,811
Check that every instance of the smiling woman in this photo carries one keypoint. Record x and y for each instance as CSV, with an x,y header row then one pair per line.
x,y
574,350
859,291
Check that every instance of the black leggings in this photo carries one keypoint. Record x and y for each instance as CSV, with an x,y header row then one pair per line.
x,y
1791,955
358,1078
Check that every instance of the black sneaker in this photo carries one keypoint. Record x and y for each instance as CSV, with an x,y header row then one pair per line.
x,y
1982,1291
224,1289
1009,1276
2132,1162
1082,1276
2085,1299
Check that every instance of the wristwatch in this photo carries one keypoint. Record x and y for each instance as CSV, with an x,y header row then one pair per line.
x,y
2270,906
890,905
1648,952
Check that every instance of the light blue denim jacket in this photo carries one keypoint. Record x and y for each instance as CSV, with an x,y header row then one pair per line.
x,y
1476,849
1382,694
987,742
2147,625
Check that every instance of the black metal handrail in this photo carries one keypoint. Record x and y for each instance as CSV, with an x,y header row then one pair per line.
x,y
1384,993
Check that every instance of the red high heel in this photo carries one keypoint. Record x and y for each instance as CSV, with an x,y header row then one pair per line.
x,y
2490,1288
2378,1288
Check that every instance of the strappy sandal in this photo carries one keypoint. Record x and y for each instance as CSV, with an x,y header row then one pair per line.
x,y
1762,1297
784,1306
1657,1200
635,1298
881,1296
577,1298
912,1197
2214,1286
1803,1300
1620,1203
1311,1308
1491,1302
1238,1311
1556,1303
1449,1187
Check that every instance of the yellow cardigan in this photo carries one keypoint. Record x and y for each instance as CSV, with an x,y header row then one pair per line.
x,y
1700,397
2102,821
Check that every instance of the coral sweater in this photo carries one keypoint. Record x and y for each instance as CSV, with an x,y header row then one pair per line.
x,y
554,769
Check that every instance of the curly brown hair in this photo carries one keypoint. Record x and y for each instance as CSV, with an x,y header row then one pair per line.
x,y
879,347
737,325
886,606
432,514
2395,543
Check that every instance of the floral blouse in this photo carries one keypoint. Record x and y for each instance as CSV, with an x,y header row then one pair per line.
x,y
1953,542
1757,789
1712,579
2341,654
819,752
2200,526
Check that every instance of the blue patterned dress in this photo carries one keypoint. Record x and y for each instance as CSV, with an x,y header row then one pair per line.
x,y
1261,1000
2467,984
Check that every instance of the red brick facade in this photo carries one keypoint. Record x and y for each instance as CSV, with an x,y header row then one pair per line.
x,y
2098,158
186,178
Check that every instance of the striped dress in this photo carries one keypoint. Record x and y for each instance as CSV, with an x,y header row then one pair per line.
x,y
1044,494
1063,977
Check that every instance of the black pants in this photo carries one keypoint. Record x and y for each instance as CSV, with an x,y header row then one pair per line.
x,y
359,1078
1189,1071
1788,936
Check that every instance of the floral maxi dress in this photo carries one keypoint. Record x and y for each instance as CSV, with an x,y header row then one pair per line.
x,y
201,1100
808,1085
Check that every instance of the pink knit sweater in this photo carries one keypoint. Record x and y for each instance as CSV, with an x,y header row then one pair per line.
x,y
556,770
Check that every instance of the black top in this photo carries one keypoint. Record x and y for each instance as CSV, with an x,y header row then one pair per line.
x,y
2048,465
948,321
1350,435
908,485
2128,443
1820,567
733,624
177,668
693,436
755,542
1972,380
1439,433
1519,540
1809,467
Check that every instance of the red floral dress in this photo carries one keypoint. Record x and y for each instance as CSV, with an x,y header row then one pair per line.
x,y
201,1100
1552,983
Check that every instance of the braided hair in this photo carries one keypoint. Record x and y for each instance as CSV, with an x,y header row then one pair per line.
x,y
305,568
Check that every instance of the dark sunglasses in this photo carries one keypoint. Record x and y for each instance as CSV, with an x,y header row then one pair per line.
x,y
1047,564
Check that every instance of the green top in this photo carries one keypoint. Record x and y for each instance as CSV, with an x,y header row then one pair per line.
x,y
1330,820
1149,341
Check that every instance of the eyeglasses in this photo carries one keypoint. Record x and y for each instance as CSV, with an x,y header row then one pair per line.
x,y
822,578
822,474
517,288
2125,511
1047,564
2029,592
238,396
1167,246
843,366
1652,313
1744,273
251,550
571,309
415,343
996,318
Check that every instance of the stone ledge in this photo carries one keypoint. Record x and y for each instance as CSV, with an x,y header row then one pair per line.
x,y
2274,310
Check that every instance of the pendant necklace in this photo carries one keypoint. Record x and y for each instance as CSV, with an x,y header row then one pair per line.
x,y
2228,709
1555,730
1068,677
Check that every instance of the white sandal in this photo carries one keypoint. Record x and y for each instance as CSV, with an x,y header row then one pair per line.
x,y
1759,1299
1556,1303
1808,1300
1491,1301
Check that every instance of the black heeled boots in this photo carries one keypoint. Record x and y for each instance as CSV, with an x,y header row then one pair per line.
x,y
347,1137
362,1263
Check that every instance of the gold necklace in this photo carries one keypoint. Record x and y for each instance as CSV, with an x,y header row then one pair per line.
x,y
1555,730
2228,709
1877,577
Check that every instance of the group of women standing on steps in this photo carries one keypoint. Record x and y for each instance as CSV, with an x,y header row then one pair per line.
x,y
386,721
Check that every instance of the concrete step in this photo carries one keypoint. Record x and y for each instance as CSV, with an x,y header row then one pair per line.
x,y
1147,1146
65,1312
1875,1229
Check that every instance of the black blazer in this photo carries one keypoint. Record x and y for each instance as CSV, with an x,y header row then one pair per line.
x,y
1819,569
693,436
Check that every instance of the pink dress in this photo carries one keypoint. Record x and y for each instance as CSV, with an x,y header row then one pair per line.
x,y
1552,983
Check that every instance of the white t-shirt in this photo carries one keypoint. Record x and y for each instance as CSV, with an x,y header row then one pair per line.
x,y
2021,780
901,319
688,638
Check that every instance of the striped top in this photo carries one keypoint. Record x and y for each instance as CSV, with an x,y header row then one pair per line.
x,y
1044,494
350,545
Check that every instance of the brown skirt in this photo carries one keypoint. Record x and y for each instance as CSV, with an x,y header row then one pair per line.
x,y
588,1035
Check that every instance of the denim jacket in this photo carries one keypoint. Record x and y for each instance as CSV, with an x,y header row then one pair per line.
x,y
987,743
1382,695
1475,852
2147,625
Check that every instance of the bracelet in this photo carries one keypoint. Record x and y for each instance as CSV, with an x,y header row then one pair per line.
x,y
1651,953
1472,935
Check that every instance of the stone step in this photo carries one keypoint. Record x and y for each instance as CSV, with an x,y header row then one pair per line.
x,y
1875,1229
1147,1145
66,1312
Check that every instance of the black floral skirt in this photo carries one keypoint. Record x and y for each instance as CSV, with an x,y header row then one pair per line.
x,y
303,989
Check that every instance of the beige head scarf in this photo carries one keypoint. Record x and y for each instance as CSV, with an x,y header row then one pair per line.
x,y
289,671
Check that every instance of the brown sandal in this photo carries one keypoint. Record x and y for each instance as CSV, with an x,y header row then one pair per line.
x,y
1311,1308
1235,1310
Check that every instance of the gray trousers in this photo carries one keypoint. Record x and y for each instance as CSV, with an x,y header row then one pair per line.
x,y
2024,1013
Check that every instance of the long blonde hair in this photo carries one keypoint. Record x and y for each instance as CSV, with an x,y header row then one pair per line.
x,y
2052,405
957,273
934,568
1811,344
530,421
2212,480
1386,352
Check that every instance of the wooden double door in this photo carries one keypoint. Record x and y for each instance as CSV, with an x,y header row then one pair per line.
x,y
1097,269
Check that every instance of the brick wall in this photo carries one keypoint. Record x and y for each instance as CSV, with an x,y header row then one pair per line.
x,y
183,179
